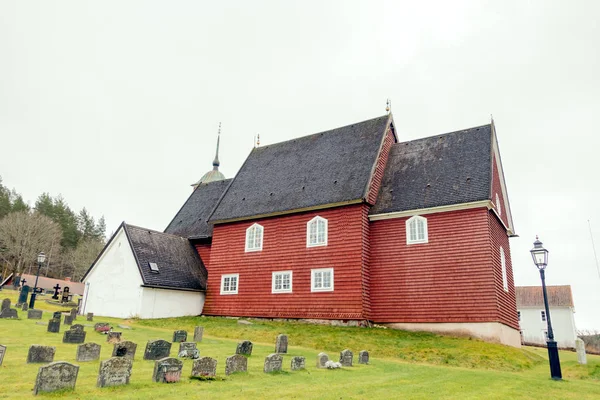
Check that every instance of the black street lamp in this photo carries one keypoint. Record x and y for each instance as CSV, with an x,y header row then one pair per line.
x,y
40,259
540,258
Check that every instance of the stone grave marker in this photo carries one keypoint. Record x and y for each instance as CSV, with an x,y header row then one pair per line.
x,y
363,357
322,358
88,352
167,370
579,346
114,372
297,363
90,316
236,363
34,314
77,327
40,354
74,313
74,335
346,358
179,336
113,337
9,313
56,376
23,295
54,325
101,327
56,289
65,295
281,344
57,315
273,363
5,305
204,367
188,350
244,348
157,349
124,349
2,353
68,320
198,332
25,307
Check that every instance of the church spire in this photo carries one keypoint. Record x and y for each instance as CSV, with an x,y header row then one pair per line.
x,y
214,174
216,160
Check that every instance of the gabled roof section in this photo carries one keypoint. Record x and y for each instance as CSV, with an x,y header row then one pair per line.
x,y
441,170
316,171
191,220
532,296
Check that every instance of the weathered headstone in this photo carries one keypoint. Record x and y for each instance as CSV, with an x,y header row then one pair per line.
x,y
322,358
34,314
236,363
65,295
346,358
56,376
188,350
68,320
23,295
54,325
56,289
9,313
114,372
57,315
77,327
273,363
101,327
580,347
25,307
157,349
74,335
113,337
281,344
179,336
124,349
198,332
297,363
167,370
244,348
88,352
5,305
204,367
363,357
90,316
40,354
2,353
74,313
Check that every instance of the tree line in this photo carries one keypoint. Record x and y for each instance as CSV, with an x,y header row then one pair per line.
x,y
71,241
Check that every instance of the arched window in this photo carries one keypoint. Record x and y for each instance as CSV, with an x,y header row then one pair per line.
x,y
254,238
416,230
498,205
316,232
503,263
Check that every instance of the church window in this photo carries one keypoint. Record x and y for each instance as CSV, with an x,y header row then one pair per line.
x,y
229,283
282,282
416,230
322,280
316,232
504,275
254,238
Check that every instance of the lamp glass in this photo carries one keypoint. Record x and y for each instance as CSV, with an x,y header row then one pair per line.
x,y
41,258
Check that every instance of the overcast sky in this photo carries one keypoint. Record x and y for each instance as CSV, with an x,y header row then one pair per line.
x,y
115,104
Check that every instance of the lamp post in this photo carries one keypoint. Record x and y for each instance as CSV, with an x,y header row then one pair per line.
x,y
540,259
40,260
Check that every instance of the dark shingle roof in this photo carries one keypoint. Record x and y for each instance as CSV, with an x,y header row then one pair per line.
x,y
178,263
453,168
316,170
190,221
532,296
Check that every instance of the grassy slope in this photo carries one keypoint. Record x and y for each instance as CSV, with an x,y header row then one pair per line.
x,y
506,373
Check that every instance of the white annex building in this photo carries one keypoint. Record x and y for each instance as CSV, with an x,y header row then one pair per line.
x,y
532,315
146,274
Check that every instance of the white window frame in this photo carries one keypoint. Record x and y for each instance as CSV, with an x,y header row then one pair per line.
x,y
237,283
498,206
543,316
504,273
254,229
282,273
415,219
313,280
315,221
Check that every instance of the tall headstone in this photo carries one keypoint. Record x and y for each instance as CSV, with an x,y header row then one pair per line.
x,y
40,354
2,353
23,295
68,320
65,295
124,349
90,316
188,350
88,352
56,376
273,363
244,348
580,347
363,357
157,349
167,370
204,367
113,337
322,359
56,289
5,305
281,344
114,372
198,332
346,358
54,325
236,363
34,314
74,313
179,336
74,335
297,363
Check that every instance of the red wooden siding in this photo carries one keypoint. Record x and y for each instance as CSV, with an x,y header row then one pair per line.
x,y
497,188
204,252
284,249
366,260
380,167
449,279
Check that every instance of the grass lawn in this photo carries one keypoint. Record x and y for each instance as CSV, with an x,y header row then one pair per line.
x,y
403,364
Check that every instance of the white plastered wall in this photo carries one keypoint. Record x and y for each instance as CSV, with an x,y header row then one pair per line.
x,y
113,287
563,325
165,303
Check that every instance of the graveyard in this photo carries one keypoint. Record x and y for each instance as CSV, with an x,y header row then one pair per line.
x,y
156,358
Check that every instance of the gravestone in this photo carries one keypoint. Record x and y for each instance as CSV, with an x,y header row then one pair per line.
x,y
346,358
157,349
198,332
167,370
9,313
281,344
23,295
79,305
179,336
580,347
57,315
124,349
2,353
205,367
236,363
322,358
34,314
56,289
56,376
363,357
68,320
101,327
74,313
273,363
188,350
40,354
90,316
77,327
113,337
74,335
244,348
65,295
54,325
5,305
114,372
88,352
25,307
297,363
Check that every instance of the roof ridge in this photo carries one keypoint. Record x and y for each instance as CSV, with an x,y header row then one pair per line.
x,y
444,134
151,230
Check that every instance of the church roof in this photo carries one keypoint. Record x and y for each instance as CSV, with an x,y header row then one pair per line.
x,y
440,170
323,169
191,220
532,296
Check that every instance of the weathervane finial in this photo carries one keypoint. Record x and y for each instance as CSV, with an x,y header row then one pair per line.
x,y
388,106
258,140
216,160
